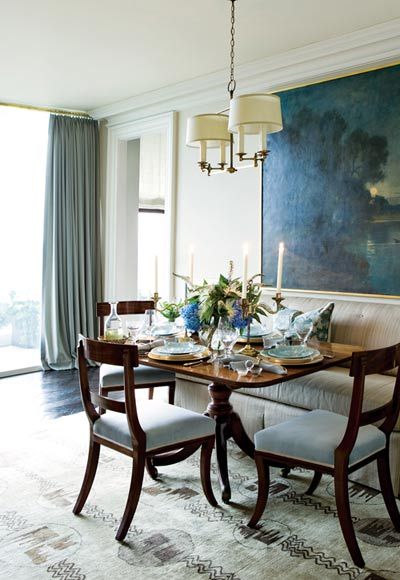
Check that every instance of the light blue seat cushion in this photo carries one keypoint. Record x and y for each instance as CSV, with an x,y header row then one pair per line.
x,y
315,436
163,424
111,375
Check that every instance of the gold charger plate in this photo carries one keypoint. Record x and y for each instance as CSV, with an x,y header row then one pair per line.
x,y
253,340
295,362
179,357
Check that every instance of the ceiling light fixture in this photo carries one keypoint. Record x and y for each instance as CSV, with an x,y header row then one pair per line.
x,y
253,114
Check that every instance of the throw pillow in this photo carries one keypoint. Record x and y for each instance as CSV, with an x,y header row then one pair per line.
x,y
321,321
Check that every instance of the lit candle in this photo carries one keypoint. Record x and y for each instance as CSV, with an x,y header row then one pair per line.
x,y
222,148
241,139
245,266
156,274
191,264
203,151
280,268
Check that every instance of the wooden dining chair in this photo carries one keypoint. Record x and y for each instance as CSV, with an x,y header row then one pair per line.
x,y
330,443
111,377
139,431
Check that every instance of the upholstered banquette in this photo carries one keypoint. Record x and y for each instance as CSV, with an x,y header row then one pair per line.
x,y
362,323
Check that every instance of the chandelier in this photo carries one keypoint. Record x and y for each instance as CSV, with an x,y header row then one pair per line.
x,y
253,114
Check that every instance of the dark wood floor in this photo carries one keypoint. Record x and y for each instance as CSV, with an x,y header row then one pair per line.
x,y
49,394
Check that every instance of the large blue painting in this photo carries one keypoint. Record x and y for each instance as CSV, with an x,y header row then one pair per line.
x,y
331,186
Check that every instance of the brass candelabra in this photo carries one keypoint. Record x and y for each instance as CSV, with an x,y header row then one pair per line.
x,y
156,299
247,312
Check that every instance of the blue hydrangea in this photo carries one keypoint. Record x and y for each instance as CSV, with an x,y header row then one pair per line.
x,y
190,315
237,317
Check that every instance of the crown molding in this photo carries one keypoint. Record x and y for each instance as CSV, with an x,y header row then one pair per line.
x,y
366,48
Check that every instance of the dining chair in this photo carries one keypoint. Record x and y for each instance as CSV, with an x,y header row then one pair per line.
x,y
139,431
111,377
331,443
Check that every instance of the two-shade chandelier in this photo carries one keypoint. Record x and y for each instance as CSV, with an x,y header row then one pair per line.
x,y
253,114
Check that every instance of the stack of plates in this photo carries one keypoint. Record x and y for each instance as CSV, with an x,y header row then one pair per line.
x,y
179,352
256,334
292,355
165,330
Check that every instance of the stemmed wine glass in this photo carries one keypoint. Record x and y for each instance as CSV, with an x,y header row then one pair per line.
x,y
228,334
303,329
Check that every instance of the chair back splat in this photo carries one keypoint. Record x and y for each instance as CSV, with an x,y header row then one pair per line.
x,y
126,307
330,443
144,432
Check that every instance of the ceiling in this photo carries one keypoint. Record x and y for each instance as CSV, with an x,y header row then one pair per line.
x,y
85,54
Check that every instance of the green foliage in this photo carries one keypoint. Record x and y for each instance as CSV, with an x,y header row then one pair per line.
x,y
218,300
171,310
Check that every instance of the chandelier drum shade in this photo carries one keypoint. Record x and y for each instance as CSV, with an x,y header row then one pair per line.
x,y
258,113
255,114
208,131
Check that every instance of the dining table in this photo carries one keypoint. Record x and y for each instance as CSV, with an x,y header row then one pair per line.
x,y
223,381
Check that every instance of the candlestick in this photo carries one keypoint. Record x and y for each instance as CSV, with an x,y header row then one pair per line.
x,y
245,267
203,151
247,350
241,139
155,274
222,152
280,268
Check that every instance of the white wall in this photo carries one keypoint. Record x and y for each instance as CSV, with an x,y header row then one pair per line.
x,y
216,214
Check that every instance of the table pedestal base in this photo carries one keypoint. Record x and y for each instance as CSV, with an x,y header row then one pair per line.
x,y
228,424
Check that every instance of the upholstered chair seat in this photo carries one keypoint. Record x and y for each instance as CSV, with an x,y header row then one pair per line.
x,y
331,443
163,425
111,376
315,436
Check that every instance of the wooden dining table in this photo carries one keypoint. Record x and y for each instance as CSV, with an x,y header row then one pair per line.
x,y
227,422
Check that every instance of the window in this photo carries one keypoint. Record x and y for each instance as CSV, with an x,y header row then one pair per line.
x,y
23,149
152,225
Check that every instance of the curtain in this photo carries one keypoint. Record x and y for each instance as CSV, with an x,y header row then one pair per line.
x,y
71,242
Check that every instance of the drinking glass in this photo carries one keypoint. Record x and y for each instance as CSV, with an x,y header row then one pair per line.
x,y
228,334
149,321
282,325
133,330
303,329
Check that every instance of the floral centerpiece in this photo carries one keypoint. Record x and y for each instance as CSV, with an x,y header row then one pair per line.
x,y
207,303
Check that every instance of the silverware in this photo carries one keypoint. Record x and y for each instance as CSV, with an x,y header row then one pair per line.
x,y
194,363
328,355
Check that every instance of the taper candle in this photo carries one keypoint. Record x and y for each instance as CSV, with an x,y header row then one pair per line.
x,y
280,268
155,274
245,267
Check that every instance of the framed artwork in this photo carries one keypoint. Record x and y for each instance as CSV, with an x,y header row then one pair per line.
x,y
331,186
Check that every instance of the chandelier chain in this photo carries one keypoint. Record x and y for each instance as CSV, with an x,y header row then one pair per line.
x,y
232,82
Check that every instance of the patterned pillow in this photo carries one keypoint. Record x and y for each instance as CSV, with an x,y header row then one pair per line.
x,y
285,316
321,321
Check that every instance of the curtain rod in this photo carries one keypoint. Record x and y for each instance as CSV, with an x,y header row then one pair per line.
x,y
48,110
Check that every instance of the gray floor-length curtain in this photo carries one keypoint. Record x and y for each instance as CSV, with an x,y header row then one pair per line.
x,y
71,244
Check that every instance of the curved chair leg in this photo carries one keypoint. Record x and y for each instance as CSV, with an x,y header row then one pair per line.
x,y
151,393
314,483
263,490
343,508
151,468
133,497
91,468
205,469
387,489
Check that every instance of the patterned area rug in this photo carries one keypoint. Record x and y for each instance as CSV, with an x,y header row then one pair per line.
x,y
175,533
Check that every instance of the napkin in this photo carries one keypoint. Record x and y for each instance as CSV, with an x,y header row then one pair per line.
x,y
273,368
268,367
147,346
